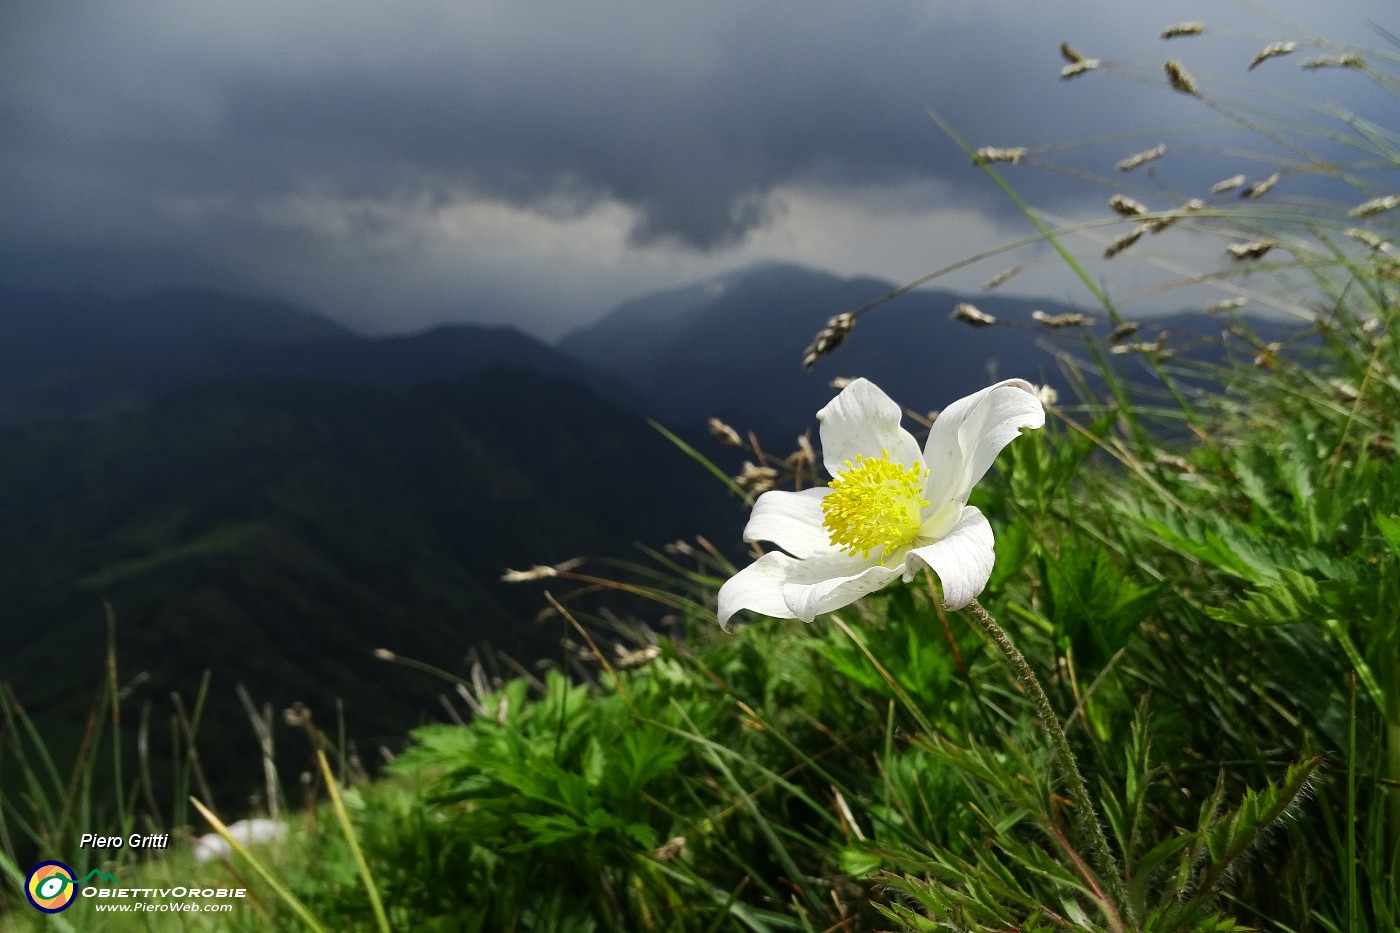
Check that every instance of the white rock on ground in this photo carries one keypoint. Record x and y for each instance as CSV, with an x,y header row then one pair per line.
x,y
247,832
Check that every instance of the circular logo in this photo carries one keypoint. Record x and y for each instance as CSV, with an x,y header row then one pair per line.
x,y
50,887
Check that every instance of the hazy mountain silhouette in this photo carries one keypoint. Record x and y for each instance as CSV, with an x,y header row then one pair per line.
x,y
69,354
732,347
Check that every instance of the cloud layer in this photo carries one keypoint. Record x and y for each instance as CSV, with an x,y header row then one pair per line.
x,y
537,160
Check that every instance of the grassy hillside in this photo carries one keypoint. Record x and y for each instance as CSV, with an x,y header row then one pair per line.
x,y
276,533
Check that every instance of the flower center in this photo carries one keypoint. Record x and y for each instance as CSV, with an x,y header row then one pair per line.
x,y
874,503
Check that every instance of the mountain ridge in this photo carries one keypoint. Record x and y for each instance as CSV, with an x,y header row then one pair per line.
x,y
82,353
737,354
735,346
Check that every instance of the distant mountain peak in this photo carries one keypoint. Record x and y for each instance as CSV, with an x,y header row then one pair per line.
x,y
82,353
735,352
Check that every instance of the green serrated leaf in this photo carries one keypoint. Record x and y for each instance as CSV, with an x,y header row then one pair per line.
x,y
1235,833
1296,597
1148,865
1389,528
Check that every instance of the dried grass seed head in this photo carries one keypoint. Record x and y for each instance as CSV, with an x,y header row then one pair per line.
x,y
972,316
1179,78
829,338
1140,158
804,446
756,480
1122,332
537,572
1344,390
1192,28
1124,241
1124,349
725,434
670,850
1261,188
999,278
1340,61
1078,68
1375,206
1162,222
1172,461
1126,206
1272,50
1372,240
988,154
1056,321
1229,184
628,660
541,571
1254,249
1268,356
1229,304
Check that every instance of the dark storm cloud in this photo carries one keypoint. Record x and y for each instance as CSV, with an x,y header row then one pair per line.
x,y
118,120
690,117
691,114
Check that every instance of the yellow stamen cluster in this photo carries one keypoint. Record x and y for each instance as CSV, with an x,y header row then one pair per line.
x,y
875,503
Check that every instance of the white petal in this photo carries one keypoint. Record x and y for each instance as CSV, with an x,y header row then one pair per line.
x,y
968,435
791,520
862,420
758,587
937,520
779,586
963,560
809,600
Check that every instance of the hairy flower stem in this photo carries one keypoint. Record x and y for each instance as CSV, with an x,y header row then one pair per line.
x,y
1083,807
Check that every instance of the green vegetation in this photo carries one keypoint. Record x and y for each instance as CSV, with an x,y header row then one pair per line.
x,y
1205,584
276,533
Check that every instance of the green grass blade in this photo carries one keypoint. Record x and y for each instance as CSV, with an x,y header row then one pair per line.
x,y
704,461
262,870
360,864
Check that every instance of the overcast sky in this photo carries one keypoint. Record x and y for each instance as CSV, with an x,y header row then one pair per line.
x,y
536,161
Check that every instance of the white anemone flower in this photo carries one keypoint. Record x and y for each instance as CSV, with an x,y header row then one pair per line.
x,y
890,509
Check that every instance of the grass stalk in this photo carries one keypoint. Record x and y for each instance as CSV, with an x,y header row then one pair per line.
x,y
115,699
262,870
1084,812
366,876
